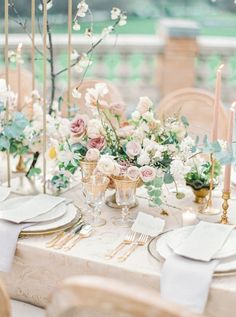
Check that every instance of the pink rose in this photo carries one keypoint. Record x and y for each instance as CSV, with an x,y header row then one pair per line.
x,y
96,143
117,108
147,173
92,154
125,131
144,105
133,173
133,148
79,125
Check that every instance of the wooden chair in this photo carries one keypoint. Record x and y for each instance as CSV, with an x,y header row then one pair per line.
x,y
79,106
5,307
197,106
13,308
91,296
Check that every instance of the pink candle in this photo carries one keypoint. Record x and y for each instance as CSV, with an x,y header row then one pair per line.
x,y
230,131
217,104
18,61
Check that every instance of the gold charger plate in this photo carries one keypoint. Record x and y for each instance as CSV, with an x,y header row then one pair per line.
x,y
151,247
69,225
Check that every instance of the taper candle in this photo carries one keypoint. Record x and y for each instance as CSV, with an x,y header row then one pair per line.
x,y
69,57
44,90
33,42
217,103
18,66
230,130
7,83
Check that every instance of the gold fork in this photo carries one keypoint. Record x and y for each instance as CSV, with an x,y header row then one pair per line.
x,y
141,241
127,240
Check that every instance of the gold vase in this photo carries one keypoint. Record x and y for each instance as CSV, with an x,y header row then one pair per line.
x,y
20,167
87,168
124,182
200,195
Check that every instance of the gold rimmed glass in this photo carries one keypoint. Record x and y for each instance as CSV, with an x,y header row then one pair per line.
x,y
125,196
94,188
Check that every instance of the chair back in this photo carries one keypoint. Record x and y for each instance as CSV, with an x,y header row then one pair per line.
x,y
79,105
5,308
88,296
198,107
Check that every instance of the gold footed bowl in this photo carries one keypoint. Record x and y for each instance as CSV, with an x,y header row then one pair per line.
x,y
87,168
200,195
111,200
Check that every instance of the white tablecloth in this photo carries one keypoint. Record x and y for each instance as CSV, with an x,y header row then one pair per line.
x,y
37,270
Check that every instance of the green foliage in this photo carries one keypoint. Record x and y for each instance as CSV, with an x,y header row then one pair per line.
x,y
34,171
154,190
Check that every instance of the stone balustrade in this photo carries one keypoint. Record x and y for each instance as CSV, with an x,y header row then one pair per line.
x,y
152,65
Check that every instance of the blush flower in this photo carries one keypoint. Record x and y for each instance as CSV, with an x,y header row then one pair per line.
x,y
106,165
117,109
79,125
144,105
133,173
133,148
96,143
147,173
92,155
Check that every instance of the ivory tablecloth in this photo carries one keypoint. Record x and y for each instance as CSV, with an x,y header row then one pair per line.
x,y
37,270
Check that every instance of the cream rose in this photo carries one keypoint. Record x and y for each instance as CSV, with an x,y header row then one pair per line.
x,y
144,105
143,159
133,173
94,129
106,165
133,148
147,173
92,155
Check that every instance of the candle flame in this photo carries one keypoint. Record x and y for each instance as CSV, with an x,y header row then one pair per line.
x,y
233,106
220,67
19,47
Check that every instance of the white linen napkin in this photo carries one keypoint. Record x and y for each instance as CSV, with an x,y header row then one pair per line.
x,y
4,193
186,282
9,233
38,205
204,241
147,224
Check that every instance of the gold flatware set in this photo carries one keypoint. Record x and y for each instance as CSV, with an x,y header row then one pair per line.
x,y
131,241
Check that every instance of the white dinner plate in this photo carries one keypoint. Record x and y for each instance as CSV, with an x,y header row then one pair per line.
x,y
69,216
177,236
162,248
55,213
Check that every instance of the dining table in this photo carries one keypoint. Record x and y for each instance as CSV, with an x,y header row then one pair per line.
x,y
37,269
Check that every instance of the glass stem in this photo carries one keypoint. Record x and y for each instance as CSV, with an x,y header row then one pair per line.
x,y
124,213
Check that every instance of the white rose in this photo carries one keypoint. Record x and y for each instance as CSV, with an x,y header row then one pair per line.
x,y
135,115
94,129
144,105
92,155
106,165
143,159
148,116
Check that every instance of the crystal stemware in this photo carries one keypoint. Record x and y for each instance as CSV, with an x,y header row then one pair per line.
x,y
125,196
94,188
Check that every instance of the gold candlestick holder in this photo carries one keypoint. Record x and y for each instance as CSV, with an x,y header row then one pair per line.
x,y
209,210
225,206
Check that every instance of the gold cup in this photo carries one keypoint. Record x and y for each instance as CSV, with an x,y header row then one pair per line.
x,y
87,168
200,195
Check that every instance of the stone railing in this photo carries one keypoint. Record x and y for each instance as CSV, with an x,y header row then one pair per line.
x,y
152,65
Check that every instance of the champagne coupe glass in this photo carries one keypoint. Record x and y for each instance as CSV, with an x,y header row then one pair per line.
x,y
125,196
94,188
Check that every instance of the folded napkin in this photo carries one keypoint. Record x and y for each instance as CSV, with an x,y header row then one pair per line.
x,y
186,282
147,224
204,241
9,233
4,193
36,206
